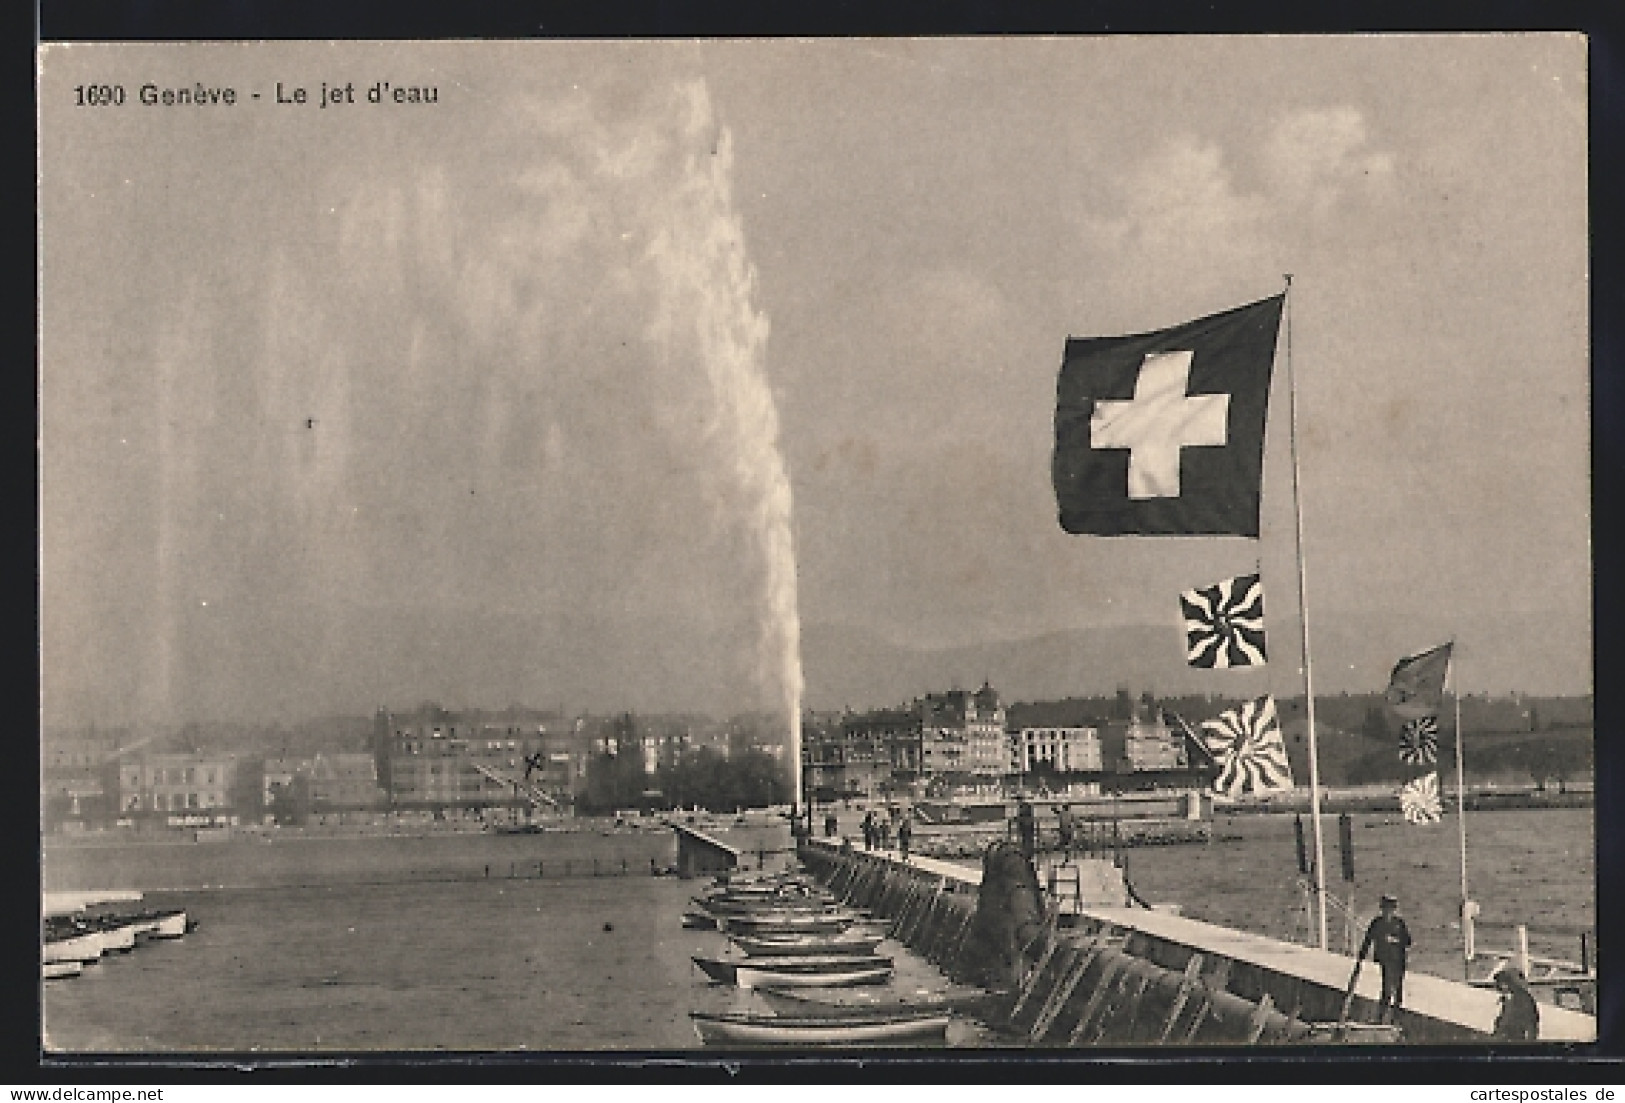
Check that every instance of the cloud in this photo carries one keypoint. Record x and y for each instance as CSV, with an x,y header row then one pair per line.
x,y
1316,158
1200,216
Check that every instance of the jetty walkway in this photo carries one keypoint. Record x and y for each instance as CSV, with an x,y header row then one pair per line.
x,y
1311,982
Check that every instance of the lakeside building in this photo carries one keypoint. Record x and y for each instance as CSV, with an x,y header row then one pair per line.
x,y
435,758
955,738
1059,749
180,790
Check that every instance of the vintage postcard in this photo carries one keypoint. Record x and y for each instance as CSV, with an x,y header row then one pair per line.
x,y
717,545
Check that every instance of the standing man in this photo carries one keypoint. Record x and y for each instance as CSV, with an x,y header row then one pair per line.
x,y
1387,939
1064,827
905,832
869,830
1027,827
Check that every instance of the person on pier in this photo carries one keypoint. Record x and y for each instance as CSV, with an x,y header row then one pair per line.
x,y
1519,1018
905,832
1027,827
1065,830
1388,942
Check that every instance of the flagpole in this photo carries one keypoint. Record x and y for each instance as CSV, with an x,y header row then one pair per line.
x,y
1303,621
1461,821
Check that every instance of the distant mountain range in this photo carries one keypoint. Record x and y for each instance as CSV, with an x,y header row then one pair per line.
x,y
351,660
1498,653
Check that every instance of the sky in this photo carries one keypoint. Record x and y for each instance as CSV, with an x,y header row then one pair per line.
x,y
603,379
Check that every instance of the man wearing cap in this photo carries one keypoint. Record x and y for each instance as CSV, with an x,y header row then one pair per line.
x,y
1387,940
1519,1020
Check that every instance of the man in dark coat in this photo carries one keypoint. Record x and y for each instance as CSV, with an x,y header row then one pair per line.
x,y
1519,1020
1065,829
1027,827
869,830
1387,939
905,832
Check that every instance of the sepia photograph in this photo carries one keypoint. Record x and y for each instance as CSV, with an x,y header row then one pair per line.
x,y
811,546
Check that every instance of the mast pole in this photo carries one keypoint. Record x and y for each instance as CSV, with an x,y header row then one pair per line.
x,y
1303,621
1461,823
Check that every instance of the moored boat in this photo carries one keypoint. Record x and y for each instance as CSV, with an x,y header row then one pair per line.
x,y
768,905
799,945
61,970
72,945
773,1030
822,971
844,1003
786,923
170,924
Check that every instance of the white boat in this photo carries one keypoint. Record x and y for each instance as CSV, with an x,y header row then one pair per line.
x,y
772,1030
75,948
823,972
169,924
61,970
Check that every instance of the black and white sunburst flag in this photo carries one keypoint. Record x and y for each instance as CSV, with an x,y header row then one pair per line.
x,y
1224,623
1247,745
1419,800
1419,741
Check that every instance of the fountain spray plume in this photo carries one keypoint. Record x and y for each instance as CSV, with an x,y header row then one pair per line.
x,y
708,287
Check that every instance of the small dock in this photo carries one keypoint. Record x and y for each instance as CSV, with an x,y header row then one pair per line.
x,y
1309,982
70,903
699,853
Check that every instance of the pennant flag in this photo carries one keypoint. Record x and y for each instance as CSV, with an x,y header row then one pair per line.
x,y
1224,623
1416,687
1419,741
1162,433
1247,745
1419,800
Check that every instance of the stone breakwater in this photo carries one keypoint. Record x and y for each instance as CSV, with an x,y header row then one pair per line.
x,y
1049,986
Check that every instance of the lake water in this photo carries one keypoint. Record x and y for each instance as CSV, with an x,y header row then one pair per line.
x,y
310,944
370,944
1534,867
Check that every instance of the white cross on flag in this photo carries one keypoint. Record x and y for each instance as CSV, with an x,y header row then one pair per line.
x,y
1163,433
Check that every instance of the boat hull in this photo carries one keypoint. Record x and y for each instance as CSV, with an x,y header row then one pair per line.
x,y
62,970
811,1003
801,945
752,976
78,948
765,1030
784,924
796,972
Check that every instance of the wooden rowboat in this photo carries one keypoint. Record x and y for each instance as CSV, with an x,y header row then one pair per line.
x,y
786,923
848,1003
772,1030
800,945
728,905
795,972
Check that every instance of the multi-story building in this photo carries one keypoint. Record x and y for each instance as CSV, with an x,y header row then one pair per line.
x,y
437,758
1061,749
1151,745
955,737
186,789
344,782
963,735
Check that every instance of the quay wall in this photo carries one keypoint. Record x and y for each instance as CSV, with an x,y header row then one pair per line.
x,y
1070,989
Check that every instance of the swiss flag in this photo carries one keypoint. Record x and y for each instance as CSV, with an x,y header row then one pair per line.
x,y
1163,433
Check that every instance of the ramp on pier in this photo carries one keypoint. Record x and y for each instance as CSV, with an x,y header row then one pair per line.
x,y
699,853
